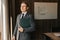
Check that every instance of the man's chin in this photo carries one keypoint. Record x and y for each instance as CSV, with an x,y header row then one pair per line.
x,y
23,11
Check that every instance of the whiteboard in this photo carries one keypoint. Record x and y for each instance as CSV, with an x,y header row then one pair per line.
x,y
45,10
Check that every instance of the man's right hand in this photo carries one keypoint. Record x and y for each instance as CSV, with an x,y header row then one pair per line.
x,y
20,29
13,38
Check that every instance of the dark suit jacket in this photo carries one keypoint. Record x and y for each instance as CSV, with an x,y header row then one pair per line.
x,y
24,35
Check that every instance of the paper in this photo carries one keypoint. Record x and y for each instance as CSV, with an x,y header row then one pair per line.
x,y
44,10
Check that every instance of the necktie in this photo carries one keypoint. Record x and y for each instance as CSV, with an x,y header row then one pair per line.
x,y
22,15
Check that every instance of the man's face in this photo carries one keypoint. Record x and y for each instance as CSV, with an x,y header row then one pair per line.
x,y
23,7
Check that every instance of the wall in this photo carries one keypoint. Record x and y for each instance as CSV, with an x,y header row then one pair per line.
x,y
0,18
42,26
0,23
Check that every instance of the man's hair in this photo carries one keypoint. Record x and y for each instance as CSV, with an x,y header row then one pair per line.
x,y
25,3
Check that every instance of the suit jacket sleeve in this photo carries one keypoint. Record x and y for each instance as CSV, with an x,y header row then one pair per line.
x,y
16,27
32,27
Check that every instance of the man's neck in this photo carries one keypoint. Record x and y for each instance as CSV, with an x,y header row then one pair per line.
x,y
24,12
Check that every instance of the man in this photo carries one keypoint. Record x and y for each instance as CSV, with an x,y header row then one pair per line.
x,y
24,24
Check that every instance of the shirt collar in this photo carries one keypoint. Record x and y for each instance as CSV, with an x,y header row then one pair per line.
x,y
24,13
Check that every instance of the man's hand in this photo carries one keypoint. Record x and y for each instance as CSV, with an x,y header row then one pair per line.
x,y
13,38
20,29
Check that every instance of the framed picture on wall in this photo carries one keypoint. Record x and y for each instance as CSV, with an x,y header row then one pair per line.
x,y
45,10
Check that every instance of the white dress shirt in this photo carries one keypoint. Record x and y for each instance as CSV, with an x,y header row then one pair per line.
x,y
23,13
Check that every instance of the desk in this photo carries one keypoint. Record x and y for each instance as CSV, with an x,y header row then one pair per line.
x,y
53,36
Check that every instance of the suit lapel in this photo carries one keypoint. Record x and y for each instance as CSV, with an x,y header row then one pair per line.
x,y
26,15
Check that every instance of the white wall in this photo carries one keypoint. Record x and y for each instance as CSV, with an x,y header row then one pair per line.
x,y
0,23
0,18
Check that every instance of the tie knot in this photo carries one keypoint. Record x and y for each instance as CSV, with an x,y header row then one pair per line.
x,y
22,15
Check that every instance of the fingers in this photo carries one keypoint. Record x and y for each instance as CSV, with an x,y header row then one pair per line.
x,y
20,29
13,38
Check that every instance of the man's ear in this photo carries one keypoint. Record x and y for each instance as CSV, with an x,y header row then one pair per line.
x,y
27,8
